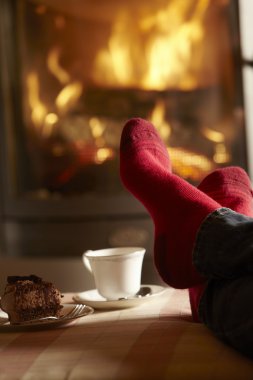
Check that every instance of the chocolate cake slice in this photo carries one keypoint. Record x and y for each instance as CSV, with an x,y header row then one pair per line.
x,y
29,297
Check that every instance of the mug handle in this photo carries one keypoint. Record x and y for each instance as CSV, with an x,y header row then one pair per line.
x,y
86,261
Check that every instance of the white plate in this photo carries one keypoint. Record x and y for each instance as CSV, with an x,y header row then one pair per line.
x,y
94,299
63,319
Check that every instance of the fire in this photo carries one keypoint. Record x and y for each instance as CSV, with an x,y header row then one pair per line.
x,y
185,163
39,110
72,90
155,53
53,64
221,154
50,122
149,53
104,154
114,65
68,97
158,118
97,127
213,135
43,118
169,52
188,164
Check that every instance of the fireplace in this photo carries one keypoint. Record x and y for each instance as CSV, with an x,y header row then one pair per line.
x,y
72,73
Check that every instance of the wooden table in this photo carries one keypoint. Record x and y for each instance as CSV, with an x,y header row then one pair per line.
x,y
156,340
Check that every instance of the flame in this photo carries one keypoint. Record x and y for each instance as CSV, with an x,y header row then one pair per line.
x,y
189,164
155,53
68,96
97,127
221,155
169,53
72,91
158,118
114,65
50,121
185,163
104,154
168,59
39,110
53,64
42,118
215,136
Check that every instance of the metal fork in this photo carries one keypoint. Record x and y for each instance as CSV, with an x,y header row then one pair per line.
x,y
70,315
74,312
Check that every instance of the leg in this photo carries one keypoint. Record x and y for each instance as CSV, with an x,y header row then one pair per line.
x,y
225,303
177,208
226,309
231,187
173,205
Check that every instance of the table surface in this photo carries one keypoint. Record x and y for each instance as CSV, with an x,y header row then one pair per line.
x,y
156,340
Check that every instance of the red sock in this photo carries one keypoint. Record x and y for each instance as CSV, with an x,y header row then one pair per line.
x,y
176,207
231,187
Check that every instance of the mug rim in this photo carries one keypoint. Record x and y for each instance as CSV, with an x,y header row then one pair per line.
x,y
119,252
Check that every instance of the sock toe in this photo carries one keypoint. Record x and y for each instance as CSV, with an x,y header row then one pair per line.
x,y
139,134
233,175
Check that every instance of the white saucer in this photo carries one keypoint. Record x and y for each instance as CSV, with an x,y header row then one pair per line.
x,y
63,319
95,300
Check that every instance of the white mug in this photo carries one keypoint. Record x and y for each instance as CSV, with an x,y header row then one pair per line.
x,y
116,271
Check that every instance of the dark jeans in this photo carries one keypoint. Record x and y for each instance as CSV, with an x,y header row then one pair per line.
x,y
224,254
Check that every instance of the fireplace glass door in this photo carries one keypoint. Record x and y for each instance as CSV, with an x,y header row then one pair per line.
x,y
73,72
